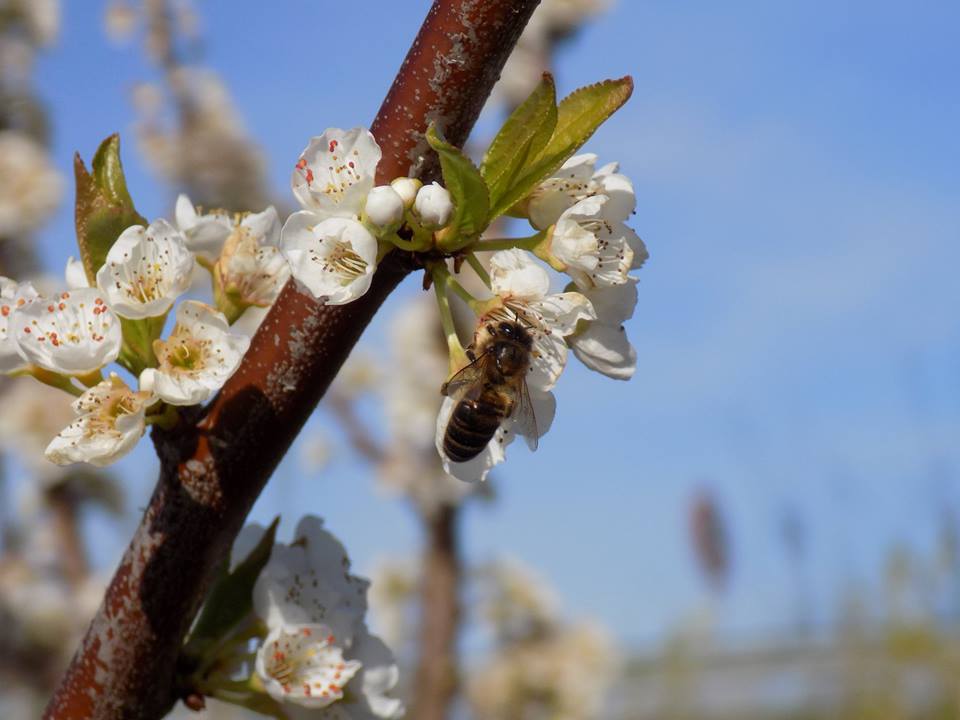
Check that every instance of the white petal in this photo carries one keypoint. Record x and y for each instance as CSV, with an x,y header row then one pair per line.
x,y
146,270
205,233
623,200
606,349
640,254
336,171
263,226
75,274
614,305
570,183
334,258
74,333
513,273
562,311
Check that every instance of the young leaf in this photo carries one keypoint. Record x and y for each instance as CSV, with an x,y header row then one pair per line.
x,y
520,140
471,198
231,598
578,117
104,208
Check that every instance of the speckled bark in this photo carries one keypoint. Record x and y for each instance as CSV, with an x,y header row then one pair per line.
x,y
215,465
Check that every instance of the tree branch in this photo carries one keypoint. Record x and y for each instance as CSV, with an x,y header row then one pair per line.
x,y
435,682
214,465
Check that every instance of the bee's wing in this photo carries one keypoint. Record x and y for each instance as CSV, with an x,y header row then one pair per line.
x,y
467,377
524,418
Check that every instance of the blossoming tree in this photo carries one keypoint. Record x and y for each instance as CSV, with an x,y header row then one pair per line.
x,y
279,628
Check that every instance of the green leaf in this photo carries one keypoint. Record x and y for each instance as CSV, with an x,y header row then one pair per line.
x,y
578,117
104,208
519,142
231,599
471,198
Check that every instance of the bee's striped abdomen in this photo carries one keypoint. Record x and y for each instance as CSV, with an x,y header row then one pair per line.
x,y
472,424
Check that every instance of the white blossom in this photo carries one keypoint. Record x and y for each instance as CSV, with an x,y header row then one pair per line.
x,y
602,344
336,172
334,258
251,267
110,422
32,414
197,359
30,186
205,233
384,207
314,610
12,297
591,249
433,205
575,181
73,333
146,270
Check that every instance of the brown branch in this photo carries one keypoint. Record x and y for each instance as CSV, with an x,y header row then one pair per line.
x,y
435,681
215,464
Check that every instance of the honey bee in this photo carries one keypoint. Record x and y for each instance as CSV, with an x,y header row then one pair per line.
x,y
491,389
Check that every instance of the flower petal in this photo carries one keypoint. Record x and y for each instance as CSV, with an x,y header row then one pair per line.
x,y
334,258
146,270
514,274
73,333
606,349
336,171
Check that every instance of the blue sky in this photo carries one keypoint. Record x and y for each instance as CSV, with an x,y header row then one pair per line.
x,y
796,171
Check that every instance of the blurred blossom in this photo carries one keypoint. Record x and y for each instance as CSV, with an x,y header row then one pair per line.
x,y
541,666
418,358
44,609
41,17
314,452
394,589
359,375
32,414
207,151
30,186
552,21
515,601
120,20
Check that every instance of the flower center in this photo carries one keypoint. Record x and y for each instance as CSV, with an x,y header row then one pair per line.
x,y
344,262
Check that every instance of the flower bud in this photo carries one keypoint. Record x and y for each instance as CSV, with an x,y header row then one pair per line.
x,y
433,205
407,189
384,207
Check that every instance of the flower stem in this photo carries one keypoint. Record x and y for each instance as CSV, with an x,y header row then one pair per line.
x,y
61,382
458,356
165,416
524,243
479,269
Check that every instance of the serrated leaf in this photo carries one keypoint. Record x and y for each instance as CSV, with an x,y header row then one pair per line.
x,y
467,188
231,598
521,139
578,117
104,208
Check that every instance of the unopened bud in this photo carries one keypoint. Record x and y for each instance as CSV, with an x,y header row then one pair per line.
x,y
407,189
433,205
384,206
